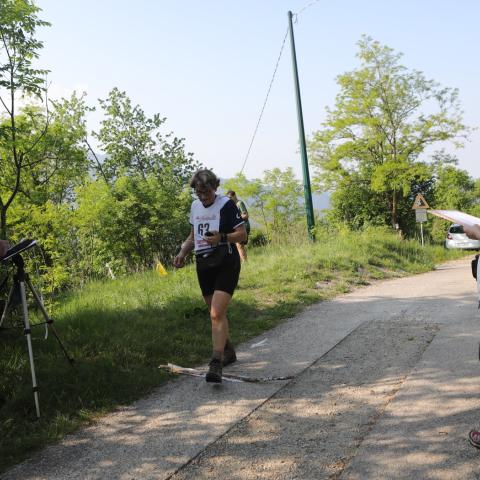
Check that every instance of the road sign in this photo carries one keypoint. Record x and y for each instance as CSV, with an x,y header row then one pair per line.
x,y
421,214
420,202
420,206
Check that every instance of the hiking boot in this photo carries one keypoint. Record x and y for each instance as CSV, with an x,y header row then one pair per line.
x,y
229,355
214,374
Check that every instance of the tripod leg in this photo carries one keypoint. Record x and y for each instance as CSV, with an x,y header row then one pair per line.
x,y
48,320
5,310
29,344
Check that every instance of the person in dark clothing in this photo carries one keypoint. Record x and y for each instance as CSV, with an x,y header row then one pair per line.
x,y
241,246
473,232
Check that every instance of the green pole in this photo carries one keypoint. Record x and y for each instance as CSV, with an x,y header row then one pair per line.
x,y
301,133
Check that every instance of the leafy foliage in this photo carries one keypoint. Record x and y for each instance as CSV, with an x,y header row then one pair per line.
x,y
18,50
18,24
372,141
273,200
454,189
89,227
133,143
128,225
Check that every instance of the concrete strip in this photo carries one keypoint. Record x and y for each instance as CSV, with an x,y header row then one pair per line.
x,y
423,433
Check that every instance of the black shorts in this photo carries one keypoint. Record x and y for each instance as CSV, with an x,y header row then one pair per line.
x,y
224,277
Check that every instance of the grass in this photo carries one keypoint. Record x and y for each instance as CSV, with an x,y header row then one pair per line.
x,y
119,331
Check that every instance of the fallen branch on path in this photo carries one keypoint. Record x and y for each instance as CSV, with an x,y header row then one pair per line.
x,y
193,372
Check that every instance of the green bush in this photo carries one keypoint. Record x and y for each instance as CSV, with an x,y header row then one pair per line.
x,y
257,238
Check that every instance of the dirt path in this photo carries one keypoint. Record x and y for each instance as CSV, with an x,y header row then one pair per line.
x,y
387,385
313,427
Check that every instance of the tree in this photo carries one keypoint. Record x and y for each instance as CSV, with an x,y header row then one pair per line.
x,y
384,118
251,191
275,199
133,143
143,203
282,199
129,224
57,164
18,50
353,202
58,161
454,189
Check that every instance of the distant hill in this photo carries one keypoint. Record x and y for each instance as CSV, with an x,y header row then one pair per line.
x,y
321,201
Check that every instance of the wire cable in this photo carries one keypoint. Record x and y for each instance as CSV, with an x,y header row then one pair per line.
x,y
265,102
305,7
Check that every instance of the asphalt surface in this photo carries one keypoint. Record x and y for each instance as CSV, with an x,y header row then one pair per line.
x,y
387,385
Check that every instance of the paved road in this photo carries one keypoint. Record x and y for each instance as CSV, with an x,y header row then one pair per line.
x,y
387,385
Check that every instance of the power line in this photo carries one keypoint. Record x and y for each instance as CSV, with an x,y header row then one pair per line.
x,y
305,7
265,102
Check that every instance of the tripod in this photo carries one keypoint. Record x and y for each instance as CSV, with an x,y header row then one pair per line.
x,y
18,291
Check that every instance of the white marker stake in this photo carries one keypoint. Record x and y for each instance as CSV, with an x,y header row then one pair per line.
x,y
259,344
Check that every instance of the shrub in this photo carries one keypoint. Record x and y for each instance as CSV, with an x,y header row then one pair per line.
x,y
257,238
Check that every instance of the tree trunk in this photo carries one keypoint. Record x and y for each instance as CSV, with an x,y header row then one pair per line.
x,y
394,211
3,222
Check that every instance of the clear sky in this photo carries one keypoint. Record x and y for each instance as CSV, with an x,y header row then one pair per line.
x,y
206,64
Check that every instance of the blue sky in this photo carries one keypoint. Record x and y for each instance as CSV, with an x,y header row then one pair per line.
x,y
206,64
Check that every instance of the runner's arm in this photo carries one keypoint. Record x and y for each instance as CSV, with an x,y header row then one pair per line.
x,y
472,231
238,235
187,247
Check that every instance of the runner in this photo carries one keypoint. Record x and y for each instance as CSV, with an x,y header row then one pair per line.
x,y
216,224
241,246
473,232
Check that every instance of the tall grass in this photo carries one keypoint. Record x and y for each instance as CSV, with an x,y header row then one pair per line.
x,y
119,331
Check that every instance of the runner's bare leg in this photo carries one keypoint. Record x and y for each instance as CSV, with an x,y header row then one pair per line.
x,y
242,251
218,304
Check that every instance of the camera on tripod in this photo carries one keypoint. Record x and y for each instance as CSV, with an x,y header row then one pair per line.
x,y
18,295
14,252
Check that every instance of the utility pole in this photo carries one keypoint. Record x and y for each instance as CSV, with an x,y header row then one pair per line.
x,y
301,133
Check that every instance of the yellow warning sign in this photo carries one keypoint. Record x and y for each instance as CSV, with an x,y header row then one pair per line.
x,y
420,202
